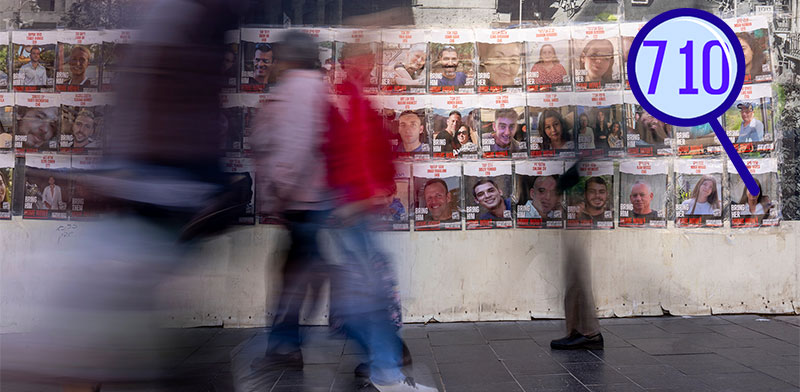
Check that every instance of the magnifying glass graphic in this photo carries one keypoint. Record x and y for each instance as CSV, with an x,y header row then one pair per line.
x,y
686,68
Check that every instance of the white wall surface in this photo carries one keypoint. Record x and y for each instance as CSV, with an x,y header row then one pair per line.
x,y
464,275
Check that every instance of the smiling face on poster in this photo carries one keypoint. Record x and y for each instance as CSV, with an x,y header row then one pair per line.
x,y
451,54
539,203
503,128
749,122
404,62
762,209
487,199
590,201
698,188
34,56
48,187
437,196
551,117
454,120
643,193
753,34
548,60
596,59
37,122
78,65
500,61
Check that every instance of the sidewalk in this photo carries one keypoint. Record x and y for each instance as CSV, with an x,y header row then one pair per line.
x,y
715,353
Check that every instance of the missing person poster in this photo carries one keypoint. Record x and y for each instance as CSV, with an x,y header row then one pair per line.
x,y
48,186
698,193
548,62
250,105
4,82
6,184
404,61
361,49
539,203
116,46
501,66
37,122
406,118
33,60
82,119
451,53
86,203
590,203
763,209
258,61
244,167
599,126
487,195
393,216
437,196
753,34
643,193
231,62
231,125
628,32
749,122
454,120
646,135
503,128
551,117
325,43
78,61
596,57
6,121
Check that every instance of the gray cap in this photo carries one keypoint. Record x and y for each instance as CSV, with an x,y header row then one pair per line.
x,y
298,47
745,105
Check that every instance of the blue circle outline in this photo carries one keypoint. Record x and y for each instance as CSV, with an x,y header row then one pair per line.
x,y
737,83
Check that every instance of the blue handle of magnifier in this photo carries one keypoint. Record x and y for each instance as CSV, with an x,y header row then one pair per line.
x,y
733,155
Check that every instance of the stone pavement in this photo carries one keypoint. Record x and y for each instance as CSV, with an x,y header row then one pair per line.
x,y
716,353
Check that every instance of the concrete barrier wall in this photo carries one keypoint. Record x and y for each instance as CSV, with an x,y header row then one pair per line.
x,y
467,276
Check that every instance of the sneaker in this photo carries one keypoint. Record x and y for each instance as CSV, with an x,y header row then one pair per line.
x,y
406,385
577,341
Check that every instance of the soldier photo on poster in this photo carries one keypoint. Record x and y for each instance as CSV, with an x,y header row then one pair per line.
x,y
753,34
643,193
6,121
628,32
230,62
596,57
590,203
33,61
405,117
78,61
455,120
243,167
404,62
646,135
503,128
501,66
749,122
6,184
548,60
551,117
539,203
762,209
37,122
599,125
82,119
698,193
362,46
48,187
437,196
258,61
86,202
231,125
393,215
116,45
451,54
4,62
487,195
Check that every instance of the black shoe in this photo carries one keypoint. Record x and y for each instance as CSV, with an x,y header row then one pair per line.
x,y
290,361
576,341
362,370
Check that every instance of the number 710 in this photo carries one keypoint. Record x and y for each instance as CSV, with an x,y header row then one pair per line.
x,y
688,51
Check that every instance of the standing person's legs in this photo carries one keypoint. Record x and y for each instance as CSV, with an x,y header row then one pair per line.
x,y
583,329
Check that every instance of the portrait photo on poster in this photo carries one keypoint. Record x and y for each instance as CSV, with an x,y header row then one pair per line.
x,y
501,66
358,50
647,136
551,117
406,118
547,59
33,61
37,127
404,60
78,61
504,127
454,123
643,193
437,196
487,195
599,125
748,210
258,59
539,204
752,32
451,54
698,193
749,123
590,203
596,57
48,187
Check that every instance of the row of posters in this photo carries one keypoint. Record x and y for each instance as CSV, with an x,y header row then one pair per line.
x,y
541,125
61,60
485,194
60,187
468,61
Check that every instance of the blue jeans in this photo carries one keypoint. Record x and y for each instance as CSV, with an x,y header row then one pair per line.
x,y
362,300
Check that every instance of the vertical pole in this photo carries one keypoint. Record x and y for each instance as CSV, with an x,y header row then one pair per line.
x,y
520,13
337,12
